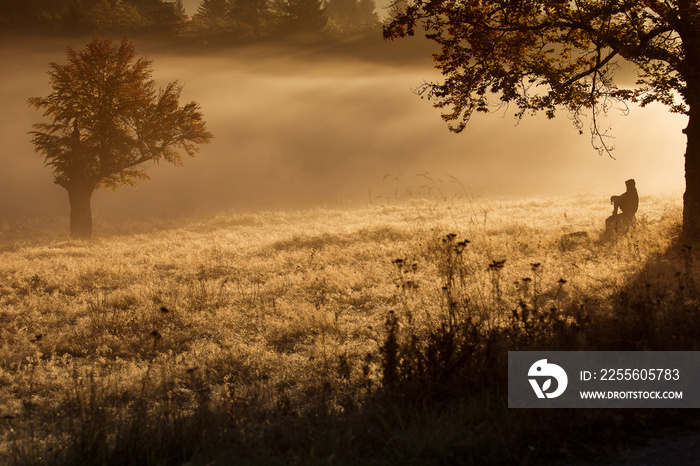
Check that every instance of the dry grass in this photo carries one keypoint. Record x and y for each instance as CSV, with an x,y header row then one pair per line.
x,y
264,337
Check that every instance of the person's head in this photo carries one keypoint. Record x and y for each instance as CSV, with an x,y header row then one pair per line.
x,y
630,184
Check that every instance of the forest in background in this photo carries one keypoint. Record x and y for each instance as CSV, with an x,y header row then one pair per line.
x,y
215,21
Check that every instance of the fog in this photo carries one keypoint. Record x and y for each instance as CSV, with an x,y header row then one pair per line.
x,y
305,125
192,5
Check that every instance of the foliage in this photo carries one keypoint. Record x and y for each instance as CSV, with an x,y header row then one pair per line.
x,y
251,19
29,14
110,16
163,17
543,55
212,16
108,119
238,20
215,21
302,16
84,16
352,15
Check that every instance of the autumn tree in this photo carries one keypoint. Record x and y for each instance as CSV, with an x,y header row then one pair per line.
x,y
107,121
539,55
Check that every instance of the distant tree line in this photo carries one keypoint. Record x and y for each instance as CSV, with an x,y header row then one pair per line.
x,y
215,20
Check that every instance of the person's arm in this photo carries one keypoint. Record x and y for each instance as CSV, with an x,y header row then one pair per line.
x,y
615,201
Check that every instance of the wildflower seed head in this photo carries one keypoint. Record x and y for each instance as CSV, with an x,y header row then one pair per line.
x,y
497,265
459,247
410,285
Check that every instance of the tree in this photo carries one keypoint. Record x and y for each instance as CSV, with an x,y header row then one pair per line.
x,y
250,19
107,121
21,14
114,16
349,15
541,55
212,18
366,16
75,17
300,16
162,17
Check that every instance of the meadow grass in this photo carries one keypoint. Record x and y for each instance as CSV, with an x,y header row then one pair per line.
x,y
375,335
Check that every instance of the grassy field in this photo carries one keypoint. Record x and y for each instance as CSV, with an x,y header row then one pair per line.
x,y
374,335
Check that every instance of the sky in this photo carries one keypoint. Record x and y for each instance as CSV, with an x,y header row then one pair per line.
x,y
296,128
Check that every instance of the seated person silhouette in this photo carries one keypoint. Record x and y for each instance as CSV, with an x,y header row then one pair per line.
x,y
627,203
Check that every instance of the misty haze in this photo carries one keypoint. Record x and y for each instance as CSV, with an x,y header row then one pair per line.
x,y
305,125
336,277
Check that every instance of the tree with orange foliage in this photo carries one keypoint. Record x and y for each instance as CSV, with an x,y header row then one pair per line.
x,y
539,55
108,120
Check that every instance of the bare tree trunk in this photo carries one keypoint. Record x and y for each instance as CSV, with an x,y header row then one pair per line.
x,y
691,199
80,211
690,71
